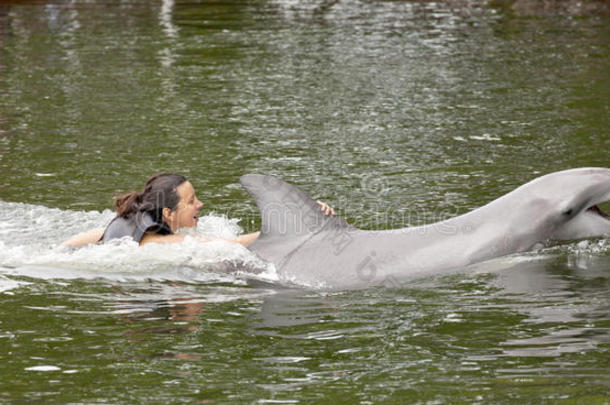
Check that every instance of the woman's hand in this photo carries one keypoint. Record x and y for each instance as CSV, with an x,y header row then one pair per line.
x,y
327,209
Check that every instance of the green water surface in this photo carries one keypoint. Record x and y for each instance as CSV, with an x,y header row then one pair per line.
x,y
397,113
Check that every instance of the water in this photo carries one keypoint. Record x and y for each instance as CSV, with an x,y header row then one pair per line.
x,y
396,113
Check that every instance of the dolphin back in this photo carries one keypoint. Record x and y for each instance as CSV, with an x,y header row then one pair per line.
x,y
290,218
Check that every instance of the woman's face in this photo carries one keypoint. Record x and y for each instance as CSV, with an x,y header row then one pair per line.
x,y
186,213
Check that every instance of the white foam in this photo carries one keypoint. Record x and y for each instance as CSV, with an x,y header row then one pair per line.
x,y
7,284
577,253
30,236
43,368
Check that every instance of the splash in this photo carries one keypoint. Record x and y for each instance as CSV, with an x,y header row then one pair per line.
x,y
31,234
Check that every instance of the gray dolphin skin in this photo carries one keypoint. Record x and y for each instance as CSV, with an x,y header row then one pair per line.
x,y
311,249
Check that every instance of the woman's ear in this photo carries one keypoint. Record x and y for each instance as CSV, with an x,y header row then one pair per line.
x,y
167,215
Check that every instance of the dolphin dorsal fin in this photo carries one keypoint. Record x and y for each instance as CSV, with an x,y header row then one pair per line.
x,y
286,211
290,218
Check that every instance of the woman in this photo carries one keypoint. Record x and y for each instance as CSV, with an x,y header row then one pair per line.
x,y
167,204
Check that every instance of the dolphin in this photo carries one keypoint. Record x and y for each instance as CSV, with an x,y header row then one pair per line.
x,y
311,249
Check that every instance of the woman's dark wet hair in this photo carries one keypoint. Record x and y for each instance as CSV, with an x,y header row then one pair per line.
x,y
159,192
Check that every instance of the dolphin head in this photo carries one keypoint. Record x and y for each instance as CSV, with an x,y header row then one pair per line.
x,y
573,198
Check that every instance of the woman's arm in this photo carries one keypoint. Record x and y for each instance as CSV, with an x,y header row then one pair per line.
x,y
84,238
244,240
96,234
156,238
